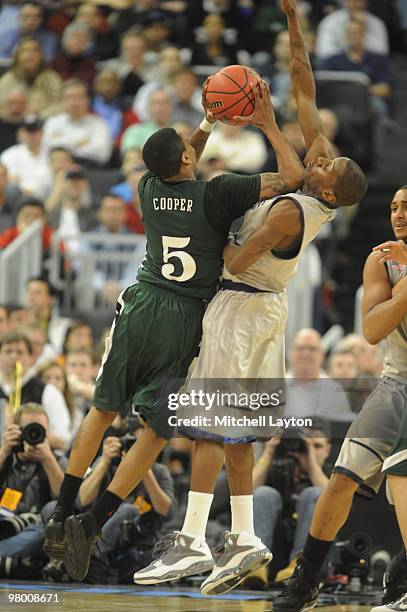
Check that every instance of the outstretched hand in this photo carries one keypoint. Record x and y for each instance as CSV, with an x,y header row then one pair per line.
x,y
263,114
395,250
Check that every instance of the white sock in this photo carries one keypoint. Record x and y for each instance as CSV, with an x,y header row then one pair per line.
x,y
242,513
197,514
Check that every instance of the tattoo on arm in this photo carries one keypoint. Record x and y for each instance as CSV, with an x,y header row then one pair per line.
x,y
272,184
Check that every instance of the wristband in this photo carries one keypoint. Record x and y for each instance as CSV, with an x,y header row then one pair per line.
x,y
206,126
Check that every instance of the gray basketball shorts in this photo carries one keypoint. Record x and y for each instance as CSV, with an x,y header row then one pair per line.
x,y
376,442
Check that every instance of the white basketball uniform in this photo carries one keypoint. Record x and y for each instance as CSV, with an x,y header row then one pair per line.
x,y
244,324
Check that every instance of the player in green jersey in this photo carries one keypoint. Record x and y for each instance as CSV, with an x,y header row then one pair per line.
x,y
157,328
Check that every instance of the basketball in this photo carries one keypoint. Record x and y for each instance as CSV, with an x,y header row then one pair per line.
x,y
229,92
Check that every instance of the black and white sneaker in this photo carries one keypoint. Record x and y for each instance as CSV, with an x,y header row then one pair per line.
x,y
400,605
395,578
180,556
242,554
300,592
54,540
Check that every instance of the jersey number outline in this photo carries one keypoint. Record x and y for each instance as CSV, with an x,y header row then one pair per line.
x,y
187,261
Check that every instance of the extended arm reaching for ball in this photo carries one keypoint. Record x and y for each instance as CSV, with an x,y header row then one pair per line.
x,y
290,175
303,86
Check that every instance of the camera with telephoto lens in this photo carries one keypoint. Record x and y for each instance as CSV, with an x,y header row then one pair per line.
x,y
126,442
33,434
285,467
352,557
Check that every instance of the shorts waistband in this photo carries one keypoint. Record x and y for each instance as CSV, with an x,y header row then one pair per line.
x,y
232,286
172,294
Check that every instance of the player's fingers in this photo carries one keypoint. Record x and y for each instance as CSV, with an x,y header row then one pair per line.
x,y
242,120
385,245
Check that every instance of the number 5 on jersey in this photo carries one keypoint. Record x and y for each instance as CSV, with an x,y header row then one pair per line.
x,y
187,262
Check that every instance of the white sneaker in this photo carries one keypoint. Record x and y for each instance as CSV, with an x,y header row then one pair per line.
x,y
395,606
243,553
180,555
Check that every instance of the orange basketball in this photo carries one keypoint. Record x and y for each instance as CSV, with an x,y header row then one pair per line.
x,y
229,92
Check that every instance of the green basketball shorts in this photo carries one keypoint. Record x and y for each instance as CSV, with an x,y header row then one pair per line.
x,y
153,339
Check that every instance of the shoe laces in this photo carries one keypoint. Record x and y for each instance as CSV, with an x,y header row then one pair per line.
x,y
299,579
165,544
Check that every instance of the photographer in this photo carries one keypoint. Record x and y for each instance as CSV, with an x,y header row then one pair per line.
x,y
288,479
129,536
30,477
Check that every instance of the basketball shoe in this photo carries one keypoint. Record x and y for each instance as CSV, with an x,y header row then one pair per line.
x,y
81,533
54,540
243,552
395,578
400,605
300,592
181,555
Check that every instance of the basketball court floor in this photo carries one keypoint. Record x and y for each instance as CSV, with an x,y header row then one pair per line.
x,y
17,595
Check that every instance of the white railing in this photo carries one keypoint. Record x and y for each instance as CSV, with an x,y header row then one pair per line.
x,y
90,261
19,261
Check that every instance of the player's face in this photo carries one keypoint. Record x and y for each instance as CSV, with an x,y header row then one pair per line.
x,y
321,174
398,216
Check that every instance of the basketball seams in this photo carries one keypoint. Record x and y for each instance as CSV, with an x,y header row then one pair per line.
x,y
247,96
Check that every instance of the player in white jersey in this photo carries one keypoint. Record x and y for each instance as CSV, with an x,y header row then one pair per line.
x,y
376,443
243,338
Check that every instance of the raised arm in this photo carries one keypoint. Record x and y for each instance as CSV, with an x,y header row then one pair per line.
x,y
200,136
382,308
290,175
303,86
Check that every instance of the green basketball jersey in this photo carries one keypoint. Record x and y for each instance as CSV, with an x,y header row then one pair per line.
x,y
186,226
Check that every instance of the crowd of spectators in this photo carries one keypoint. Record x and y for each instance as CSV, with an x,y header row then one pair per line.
x,y
83,86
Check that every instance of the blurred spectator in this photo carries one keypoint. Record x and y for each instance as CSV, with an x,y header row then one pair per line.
x,y
53,373
17,316
136,526
15,346
59,161
184,129
187,98
29,210
28,69
371,360
168,66
128,191
27,162
34,474
238,16
107,104
330,125
8,14
356,58
131,159
105,44
280,82
69,206
310,392
354,343
31,17
342,364
130,65
274,502
42,309
213,49
42,350
240,149
13,107
78,336
331,34
156,31
84,134
79,370
72,61
112,217
160,110
9,196
4,322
